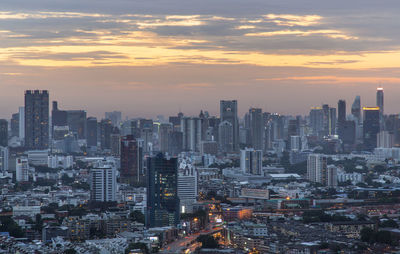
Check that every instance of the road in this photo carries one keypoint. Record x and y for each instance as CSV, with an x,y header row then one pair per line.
x,y
185,244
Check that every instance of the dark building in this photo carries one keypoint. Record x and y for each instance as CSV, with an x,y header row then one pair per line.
x,y
229,112
132,165
347,132
162,192
341,111
58,117
37,119
77,122
15,125
256,128
371,127
3,132
91,133
175,142
164,135
106,129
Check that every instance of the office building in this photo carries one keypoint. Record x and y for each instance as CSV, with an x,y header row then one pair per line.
x,y
229,113
191,128
256,128
77,123
162,192
331,176
317,121
103,184
175,142
106,129
225,137
341,111
37,119
164,136
14,125
371,127
4,154
132,165
115,144
21,122
21,170
91,124
3,132
356,109
385,139
251,161
187,187
115,117
295,143
380,100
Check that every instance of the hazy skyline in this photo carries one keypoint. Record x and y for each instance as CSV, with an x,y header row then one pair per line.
x,y
146,58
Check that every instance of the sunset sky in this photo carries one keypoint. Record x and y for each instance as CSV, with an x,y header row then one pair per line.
x,y
149,57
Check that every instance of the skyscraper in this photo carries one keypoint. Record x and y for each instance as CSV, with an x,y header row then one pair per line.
x,y
21,170
15,125
37,119
317,168
251,161
162,192
103,184
132,171
191,127
115,117
371,127
256,128
380,100
341,111
229,112
187,187
164,135
106,129
225,137
91,124
21,122
317,121
4,159
3,132
356,109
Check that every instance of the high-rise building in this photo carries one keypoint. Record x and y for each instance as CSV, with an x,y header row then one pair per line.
x,y
115,144
175,142
4,159
103,184
331,176
341,111
356,109
187,187
371,127
162,192
91,124
380,100
251,161
106,129
317,121
385,139
77,122
295,143
164,135
58,117
14,124
3,132
132,165
191,128
317,168
115,117
21,170
21,122
225,137
332,121
37,119
229,112
256,128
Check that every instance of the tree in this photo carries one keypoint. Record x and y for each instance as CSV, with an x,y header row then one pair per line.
x,y
208,242
70,251
7,224
137,216
134,246
367,234
389,224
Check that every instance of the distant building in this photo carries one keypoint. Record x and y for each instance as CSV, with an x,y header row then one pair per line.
x,y
371,127
115,117
132,171
187,187
317,168
225,136
106,129
37,119
209,147
164,136
21,170
256,128
251,161
191,127
385,139
229,113
162,192
103,184
115,144
91,138
4,159
14,124
3,132
21,122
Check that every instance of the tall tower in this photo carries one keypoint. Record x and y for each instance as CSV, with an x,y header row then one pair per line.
x,y
256,128
379,99
229,112
103,184
132,171
162,192
356,109
341,111
371,127
37,119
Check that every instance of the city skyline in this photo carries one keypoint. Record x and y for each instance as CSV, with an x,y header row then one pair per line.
x,y
260,55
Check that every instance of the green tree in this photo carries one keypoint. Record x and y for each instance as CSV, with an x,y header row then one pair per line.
x,y
208,242
137,216
7,224
134,246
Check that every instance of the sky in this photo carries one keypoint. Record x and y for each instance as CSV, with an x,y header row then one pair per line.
x,y
159,57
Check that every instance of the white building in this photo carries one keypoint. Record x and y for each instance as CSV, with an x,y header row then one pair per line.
x,y
56,161
38,157
295,143
353,177
317,168
187,185
251,161
30,211
21,170
103,184
385,139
